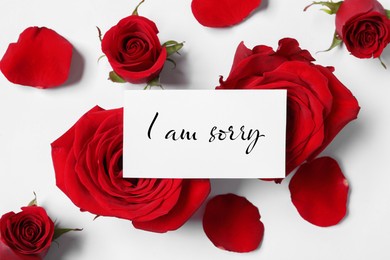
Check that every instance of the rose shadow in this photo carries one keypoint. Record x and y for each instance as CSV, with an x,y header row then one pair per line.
x,y
263,6
76,68
385,56
69,243
349,135
175,75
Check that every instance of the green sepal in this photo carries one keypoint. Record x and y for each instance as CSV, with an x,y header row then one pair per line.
x,y
335,42
388,13
115,77
153,83
34,202
169,43
101,57
333,6
383,64
172,47
100,35
60,231
135,12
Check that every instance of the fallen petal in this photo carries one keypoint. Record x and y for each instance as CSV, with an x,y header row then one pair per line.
x,y
40,58
222,13
232,223
319,191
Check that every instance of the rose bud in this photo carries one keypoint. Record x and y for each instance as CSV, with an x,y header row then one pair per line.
x,y
29,232
364,27
133,49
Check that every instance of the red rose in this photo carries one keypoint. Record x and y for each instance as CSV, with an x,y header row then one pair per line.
x,y
28,232
88,166
318,104
364,27
134,50
40,58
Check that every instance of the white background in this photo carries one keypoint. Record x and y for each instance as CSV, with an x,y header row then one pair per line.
x,y
31,119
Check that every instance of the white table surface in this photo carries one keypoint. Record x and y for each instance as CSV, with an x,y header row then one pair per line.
x,y
30,119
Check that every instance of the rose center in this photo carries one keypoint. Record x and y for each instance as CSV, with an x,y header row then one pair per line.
x,y
134,45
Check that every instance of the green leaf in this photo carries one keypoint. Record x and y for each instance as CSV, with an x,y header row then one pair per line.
x,y
34,202
135,12
335,42
99,33
388,13
116,78
60,231
333,6
173,47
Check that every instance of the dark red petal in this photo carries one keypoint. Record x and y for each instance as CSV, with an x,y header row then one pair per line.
x,y
194,192
242,53
319,191
7,253
233,223
40,58
345,108
289,48
222,13
60,151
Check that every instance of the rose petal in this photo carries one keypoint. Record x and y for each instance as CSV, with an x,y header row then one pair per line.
x,y
319,191
194,192
289,48
233,223
40,58
345,108
222,13
9,254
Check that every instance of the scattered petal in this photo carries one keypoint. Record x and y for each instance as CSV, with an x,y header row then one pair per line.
x,y
232,223
319,191
40,58
222,13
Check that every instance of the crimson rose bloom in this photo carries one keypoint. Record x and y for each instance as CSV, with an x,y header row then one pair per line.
x,y
134,50
364,27
88,166
28,232
318,104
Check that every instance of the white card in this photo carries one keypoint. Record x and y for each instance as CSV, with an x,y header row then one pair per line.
x,y
204,134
